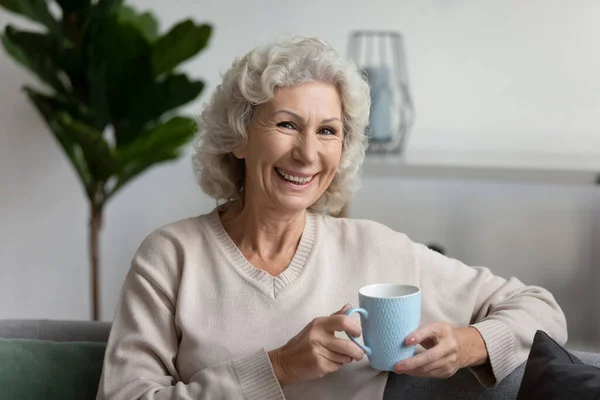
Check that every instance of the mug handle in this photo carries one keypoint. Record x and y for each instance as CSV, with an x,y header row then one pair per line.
x,y
365,314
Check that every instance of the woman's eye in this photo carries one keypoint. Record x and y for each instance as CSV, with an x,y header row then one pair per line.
x,y
286,125
328,131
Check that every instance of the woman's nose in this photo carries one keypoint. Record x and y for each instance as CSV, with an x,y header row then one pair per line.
x,y
305,149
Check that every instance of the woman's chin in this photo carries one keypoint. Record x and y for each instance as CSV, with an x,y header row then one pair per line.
x,y
294,204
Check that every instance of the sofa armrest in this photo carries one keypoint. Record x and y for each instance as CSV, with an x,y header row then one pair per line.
x,y
55,330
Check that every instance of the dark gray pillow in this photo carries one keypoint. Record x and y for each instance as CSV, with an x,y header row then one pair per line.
x,y
554,373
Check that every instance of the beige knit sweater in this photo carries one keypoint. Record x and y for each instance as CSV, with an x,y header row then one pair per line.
x,y
195,320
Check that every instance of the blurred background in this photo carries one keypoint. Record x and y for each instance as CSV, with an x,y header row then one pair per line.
x,y
499,168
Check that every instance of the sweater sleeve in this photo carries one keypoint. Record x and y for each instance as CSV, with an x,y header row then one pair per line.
x,y
506,312
142,348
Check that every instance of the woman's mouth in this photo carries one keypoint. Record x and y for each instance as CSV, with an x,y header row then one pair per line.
x,y
295,180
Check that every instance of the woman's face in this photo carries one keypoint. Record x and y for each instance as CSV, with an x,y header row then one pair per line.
x,y
294,147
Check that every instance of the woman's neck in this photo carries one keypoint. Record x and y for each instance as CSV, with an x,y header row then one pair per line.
x,y
267,238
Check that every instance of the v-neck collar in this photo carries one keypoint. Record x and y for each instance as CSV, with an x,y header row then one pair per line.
x,y
271,286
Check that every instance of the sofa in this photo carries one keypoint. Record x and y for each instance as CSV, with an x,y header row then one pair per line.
x,y
49,359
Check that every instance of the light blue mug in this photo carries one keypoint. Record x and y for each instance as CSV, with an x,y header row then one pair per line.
x,y
389,312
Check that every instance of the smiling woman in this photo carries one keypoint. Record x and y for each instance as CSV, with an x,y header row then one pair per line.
x,y
291,156
245,302
303,88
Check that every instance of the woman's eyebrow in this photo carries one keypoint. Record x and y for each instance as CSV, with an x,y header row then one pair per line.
x,y
293,114
287,112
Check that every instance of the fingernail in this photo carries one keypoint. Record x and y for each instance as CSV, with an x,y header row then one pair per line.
x,y
411,340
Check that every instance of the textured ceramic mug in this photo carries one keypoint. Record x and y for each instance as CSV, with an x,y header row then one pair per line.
x,y
389,312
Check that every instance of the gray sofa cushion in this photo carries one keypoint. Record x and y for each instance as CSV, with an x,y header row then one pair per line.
x,y
463,385
49,370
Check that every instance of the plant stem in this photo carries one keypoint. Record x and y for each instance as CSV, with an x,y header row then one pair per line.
x,y
95,226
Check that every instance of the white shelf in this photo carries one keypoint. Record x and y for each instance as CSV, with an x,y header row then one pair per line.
x,y
502,167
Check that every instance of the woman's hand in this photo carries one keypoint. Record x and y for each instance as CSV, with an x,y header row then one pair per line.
x,y
315,351
447,350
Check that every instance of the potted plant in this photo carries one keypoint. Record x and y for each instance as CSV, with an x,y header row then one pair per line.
x,y
110,92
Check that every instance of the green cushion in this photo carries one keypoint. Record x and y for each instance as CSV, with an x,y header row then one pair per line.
x,y
38,369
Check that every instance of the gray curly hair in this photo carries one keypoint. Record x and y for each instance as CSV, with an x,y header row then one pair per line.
x,y
251,81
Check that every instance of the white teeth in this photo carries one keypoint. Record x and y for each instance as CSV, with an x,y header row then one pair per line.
x,y
294,179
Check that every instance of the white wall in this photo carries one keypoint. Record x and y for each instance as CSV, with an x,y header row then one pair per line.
x,y
543,234
509,76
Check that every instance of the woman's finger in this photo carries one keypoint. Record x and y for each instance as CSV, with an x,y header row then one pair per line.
x,y
429,370
345,347
334,357
427,357
429,334
443,370
342,310
341,323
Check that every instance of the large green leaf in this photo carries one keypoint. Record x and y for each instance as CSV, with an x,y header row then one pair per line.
x,y
75,16
36,10
182,42
120,73
175,91
104,7
145,22
96,150
167,138
72,106
40,46
49,107
37,62
161,144
73,6
35,43
96,79
171,92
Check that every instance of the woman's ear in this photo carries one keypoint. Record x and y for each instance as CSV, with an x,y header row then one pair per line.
x,y
240,153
